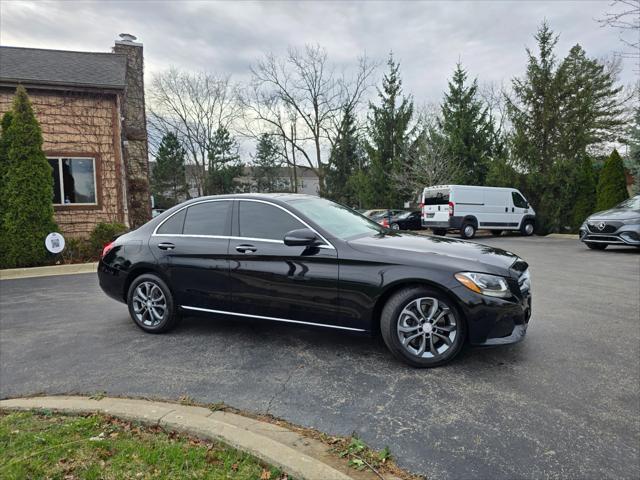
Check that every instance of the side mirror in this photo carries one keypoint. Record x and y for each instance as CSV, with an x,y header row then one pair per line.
x,y
303,237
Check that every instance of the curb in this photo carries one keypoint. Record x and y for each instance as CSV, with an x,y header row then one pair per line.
x,y
566,236
299,456
51,270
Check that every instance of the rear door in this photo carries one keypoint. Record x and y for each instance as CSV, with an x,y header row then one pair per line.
x,y
271,279
191,248
435,205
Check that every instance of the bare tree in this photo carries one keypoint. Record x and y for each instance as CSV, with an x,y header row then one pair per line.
x,y
194,107
300,98
625,17
427,163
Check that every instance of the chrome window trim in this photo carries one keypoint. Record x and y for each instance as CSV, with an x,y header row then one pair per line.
x,y
327,245
275,319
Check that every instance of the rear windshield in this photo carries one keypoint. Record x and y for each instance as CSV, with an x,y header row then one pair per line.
x,y
436,197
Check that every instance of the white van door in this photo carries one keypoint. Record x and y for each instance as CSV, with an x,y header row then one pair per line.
x,y
496,209
435,205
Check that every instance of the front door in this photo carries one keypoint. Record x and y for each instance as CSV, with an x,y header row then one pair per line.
x,y
191,248
270,279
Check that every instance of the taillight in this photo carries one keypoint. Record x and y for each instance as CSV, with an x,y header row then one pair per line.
x,y
451,208
107,248
384,222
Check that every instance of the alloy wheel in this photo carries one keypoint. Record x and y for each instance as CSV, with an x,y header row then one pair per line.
x,y
149,304
427,327
528,228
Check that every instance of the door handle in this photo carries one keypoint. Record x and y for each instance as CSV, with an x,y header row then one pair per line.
x,y
513,209
506,209
166,246
246,248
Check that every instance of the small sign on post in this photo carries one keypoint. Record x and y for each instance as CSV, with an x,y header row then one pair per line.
x,y
54,242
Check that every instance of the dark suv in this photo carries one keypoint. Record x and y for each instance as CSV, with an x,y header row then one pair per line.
x,y
618,226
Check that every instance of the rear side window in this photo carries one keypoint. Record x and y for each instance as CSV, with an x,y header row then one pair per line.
x,y
173,226
518,200
436,197
260,220
208,218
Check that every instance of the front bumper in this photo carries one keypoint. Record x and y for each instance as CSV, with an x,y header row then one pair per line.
x,y
624,235
495,321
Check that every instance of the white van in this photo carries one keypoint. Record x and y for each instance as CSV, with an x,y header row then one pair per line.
x,y
468,208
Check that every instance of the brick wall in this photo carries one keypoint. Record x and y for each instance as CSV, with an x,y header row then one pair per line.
x,y
80,125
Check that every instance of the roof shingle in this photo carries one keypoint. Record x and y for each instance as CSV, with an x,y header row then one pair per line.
x,y
64,68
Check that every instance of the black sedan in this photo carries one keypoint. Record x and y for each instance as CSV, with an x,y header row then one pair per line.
x,y
301,259
617,226
403,221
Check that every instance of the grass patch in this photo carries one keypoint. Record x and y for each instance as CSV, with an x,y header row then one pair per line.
x,y
46,445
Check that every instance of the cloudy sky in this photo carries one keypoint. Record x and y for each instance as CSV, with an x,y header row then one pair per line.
x,y
428,37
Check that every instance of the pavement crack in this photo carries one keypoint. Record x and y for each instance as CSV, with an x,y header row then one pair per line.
x,y
281,390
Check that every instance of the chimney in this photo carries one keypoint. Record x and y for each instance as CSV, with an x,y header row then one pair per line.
x,y
134,131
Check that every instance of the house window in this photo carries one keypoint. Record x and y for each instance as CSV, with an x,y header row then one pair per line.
x,y
74,180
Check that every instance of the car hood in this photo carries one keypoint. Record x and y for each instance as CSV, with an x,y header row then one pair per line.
x,y
615,214
459,254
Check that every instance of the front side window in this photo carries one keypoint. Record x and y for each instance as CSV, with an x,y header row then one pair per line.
x,y
264,221
518,200
208,218
74,181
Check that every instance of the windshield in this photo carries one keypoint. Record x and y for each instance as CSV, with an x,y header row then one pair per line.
x,y
631,204
341,222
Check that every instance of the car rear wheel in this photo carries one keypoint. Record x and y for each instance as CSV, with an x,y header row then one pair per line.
x,y
468,230
440,232
596,246
422,327
151,304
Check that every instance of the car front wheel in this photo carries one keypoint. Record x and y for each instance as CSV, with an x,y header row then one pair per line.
x,y
395,226
151,304
527,228
422,327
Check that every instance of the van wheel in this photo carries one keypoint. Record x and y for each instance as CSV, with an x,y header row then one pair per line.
x,y
496,233
527,228
468,230
440,232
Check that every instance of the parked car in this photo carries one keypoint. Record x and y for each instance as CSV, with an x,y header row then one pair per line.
x,y
372,212
407,220
617,226
468,208
300,259
378,217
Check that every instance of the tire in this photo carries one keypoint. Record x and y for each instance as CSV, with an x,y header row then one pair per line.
x,y
496,233
596,246
441,232
468,230
394,316
395,226
527,228
146,318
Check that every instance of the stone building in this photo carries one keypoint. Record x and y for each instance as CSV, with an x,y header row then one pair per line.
x,y
91,110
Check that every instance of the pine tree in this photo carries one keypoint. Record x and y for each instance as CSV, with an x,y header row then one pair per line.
x,y
268,164
224,163
388,131
585,198
467,129
345,160
558,112
4,166
612,184
28,190
168,179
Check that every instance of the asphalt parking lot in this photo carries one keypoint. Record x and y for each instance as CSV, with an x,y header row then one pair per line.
x,y
565,403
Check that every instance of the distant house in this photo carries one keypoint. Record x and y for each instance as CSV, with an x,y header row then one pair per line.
x,y
307,180
91,109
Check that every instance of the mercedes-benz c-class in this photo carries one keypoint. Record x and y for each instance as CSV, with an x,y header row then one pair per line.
x,y
299,259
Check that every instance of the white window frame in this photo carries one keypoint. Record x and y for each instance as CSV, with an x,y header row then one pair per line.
x,y
60,180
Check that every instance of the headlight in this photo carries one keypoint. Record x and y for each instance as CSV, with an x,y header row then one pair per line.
x,y
631,221
485,284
